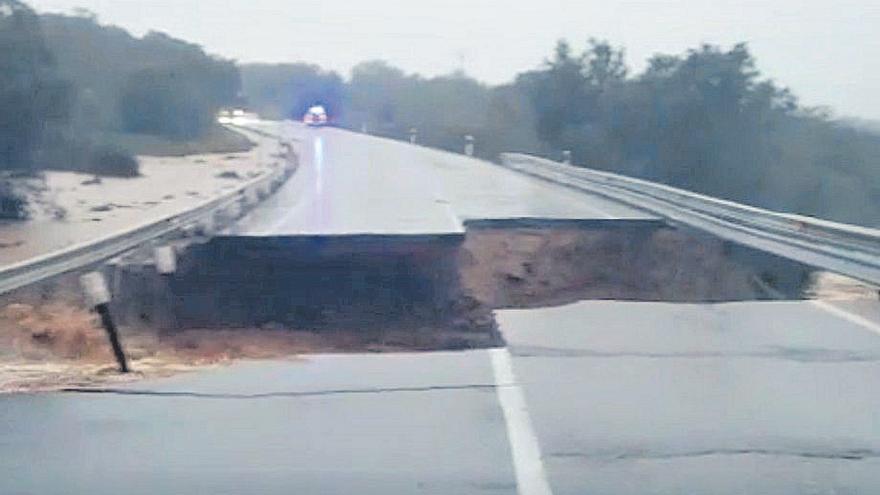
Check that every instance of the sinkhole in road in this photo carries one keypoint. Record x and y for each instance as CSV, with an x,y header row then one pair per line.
x,y
239,297
445,286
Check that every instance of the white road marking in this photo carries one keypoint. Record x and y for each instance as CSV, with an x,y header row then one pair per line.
x,y
846,315
531,479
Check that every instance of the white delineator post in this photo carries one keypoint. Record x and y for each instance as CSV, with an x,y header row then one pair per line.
x,y
98,296
566,157
165,259
469,145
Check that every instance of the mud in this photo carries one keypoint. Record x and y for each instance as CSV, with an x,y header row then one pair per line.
x,y
539,266
60,345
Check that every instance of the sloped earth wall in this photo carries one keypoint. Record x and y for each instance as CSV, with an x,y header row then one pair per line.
x,y
446,282
235,298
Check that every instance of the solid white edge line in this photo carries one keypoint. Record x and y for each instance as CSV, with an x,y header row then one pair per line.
x,y
531,479
852,318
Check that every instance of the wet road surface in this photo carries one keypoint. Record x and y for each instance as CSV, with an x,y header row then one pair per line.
x,y
618,397
760,397
369,424
351,183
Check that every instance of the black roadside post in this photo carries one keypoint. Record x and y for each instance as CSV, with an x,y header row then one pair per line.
x,y
98,296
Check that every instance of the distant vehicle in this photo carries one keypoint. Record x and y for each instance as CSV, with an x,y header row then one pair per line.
x,y
316,116
234,116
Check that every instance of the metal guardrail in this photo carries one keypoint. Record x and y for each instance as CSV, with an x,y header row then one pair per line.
x,y
204,217
848,249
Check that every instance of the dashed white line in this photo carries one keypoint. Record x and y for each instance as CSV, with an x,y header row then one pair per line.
x,y
531,478
846,315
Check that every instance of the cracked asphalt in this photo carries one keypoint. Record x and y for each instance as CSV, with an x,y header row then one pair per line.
x,y
749,397
623,397
367,424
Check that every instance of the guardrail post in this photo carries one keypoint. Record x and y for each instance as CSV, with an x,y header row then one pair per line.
x,y
469,145
264,190
166,265
250,197
166,260
206,226
566,157
98,295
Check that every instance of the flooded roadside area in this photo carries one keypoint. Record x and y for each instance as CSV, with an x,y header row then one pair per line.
x,y
68,208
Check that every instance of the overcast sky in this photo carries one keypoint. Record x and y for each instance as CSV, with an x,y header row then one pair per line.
x,y
828,52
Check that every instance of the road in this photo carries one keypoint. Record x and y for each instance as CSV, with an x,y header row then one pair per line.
x,y
619,397
367,424
755,397
599,397
351,183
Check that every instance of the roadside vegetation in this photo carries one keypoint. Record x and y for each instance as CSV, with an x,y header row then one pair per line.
x,y
706,120
77,95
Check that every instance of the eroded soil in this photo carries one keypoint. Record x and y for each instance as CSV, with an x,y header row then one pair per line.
x,y
49,340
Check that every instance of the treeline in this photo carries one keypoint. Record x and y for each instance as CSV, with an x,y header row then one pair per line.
x,y
155,85
709,122
705,120
388,102
74,93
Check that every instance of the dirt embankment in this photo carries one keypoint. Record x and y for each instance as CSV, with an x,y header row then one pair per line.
x,y
535,267
60,344
268,303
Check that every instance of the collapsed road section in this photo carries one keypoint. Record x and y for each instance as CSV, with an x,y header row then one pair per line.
x,y
449,284
243,297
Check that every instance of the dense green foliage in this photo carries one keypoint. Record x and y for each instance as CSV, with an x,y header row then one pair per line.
x,y
705,121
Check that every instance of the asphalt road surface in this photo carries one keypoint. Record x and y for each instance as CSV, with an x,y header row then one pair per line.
x,y
371,424
350,183
595,397
760,397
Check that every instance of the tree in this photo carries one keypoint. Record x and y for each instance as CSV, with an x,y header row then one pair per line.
x,y
105,62
288,90
603,64
32,98
177,101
